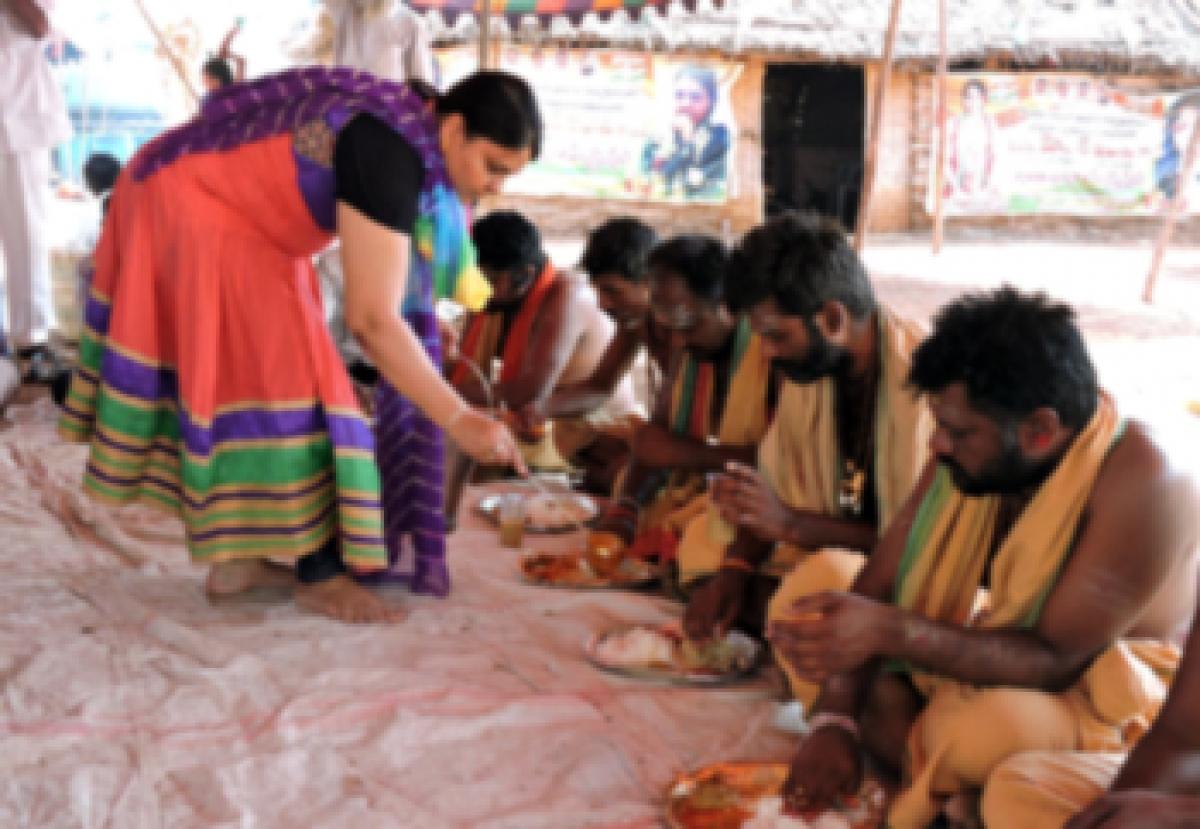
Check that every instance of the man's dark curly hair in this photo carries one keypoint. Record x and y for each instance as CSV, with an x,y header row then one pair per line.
x,y
801,260
699,260
621,246
1014,353
506,240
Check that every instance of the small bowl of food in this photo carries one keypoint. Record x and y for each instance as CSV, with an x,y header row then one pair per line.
x,y
604,553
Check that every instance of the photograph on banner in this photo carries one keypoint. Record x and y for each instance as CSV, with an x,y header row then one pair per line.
x,y
622,125
1063,144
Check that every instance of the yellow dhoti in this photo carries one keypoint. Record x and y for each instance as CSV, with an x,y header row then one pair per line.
x,y
964,733
1045,789
818,572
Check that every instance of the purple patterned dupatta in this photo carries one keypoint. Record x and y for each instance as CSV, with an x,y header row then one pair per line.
x,y
408,446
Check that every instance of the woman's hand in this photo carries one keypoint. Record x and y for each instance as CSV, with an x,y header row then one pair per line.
x,y
486,439
528,422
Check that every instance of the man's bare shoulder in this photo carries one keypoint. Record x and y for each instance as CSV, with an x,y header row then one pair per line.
x,y
1132,568
1140,465
1144,518
576,287
561,298
567,293
579,299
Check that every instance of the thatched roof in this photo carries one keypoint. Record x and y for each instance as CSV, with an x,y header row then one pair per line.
x,y
1120,36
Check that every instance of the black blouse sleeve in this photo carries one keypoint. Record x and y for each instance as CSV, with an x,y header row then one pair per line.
x,y
378,173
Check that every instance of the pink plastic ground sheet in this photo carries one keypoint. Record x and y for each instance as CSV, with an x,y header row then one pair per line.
x,y
131,701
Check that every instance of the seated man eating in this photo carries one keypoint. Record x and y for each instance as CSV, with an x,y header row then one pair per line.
x,y
718,396
1028,595
1157,786
541,329
845,450
615,259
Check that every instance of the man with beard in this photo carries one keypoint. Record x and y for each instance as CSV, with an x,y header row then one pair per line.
x,y
845,450
1027,596
545,330
715,407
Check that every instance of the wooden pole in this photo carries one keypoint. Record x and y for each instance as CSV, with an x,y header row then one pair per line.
x,y
939,169
172,58
1173,211
876,130
485,34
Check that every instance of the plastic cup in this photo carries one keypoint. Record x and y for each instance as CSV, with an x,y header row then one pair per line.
x,y
512,521
604,553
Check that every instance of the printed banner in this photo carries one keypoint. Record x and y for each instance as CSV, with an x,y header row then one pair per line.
x,y
622,125
1021,144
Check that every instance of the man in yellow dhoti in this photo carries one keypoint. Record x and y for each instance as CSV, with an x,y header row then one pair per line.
x,y
1158,785
847,445
717,407
1028,595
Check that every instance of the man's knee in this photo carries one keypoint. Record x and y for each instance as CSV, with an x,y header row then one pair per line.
x,y
815,573
972,732
1037,789
1005,792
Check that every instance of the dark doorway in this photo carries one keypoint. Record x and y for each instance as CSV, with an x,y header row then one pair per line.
x,y
813,136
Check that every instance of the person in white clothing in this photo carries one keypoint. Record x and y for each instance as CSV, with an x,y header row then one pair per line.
x,y
383,37
33,118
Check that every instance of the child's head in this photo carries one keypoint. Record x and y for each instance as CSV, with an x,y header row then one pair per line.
x,y
216,74
100,173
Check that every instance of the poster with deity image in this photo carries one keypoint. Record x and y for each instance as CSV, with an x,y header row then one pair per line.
x,y
1020,144
622,125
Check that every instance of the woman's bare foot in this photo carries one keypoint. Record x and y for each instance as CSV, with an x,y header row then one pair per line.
x,y
230,578
344,599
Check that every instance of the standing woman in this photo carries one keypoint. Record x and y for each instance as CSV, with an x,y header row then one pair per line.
x,y
387,39
207,381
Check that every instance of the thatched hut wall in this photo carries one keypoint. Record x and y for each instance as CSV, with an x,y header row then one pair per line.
x,y
1148,43
568,217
